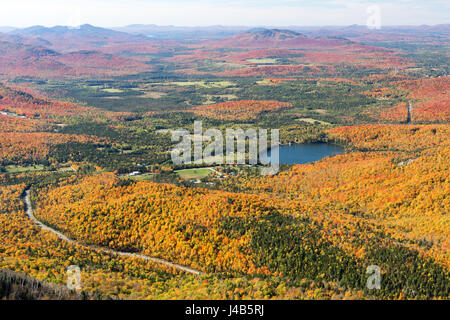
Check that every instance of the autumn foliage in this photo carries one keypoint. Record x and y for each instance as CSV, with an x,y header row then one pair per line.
x,y
21,102
238,110
13,124
399,186
392,137
430,101
34,146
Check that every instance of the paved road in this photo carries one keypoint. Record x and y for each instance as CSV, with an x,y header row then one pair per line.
x,y
30,214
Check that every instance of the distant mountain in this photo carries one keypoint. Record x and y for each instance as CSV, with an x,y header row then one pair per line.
x,y
276,38
385,34
183,34
85,30
23,40
6,29
85,37
19,59
274,34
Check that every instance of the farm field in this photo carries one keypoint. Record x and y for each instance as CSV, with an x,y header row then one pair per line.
x,y
17,169
193,173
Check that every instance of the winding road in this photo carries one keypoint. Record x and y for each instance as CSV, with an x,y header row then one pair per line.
x,y
30,214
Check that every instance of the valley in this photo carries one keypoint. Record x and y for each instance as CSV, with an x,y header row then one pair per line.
x,y
87,176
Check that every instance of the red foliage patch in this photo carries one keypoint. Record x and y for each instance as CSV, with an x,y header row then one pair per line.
x,y
238,110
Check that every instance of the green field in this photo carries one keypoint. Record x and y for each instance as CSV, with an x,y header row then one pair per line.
x,y
144,176
263,61
112,90
188,174
17,169
202,84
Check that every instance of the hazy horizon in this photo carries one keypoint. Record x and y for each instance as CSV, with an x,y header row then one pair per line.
x,y
204,13
223,26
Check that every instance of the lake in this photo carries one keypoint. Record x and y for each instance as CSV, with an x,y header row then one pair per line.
x,y
307,152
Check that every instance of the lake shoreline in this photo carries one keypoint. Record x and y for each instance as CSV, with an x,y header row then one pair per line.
x,y
303,153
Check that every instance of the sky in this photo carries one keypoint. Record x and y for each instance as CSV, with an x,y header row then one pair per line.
x,y
115,13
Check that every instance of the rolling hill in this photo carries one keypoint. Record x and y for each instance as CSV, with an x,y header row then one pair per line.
x,y
277,38
85,37
22,56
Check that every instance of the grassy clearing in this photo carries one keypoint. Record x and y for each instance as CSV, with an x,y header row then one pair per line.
x,y
112,90
17,169
263,61
312,121
320,111
188,174
264,82
144,176
65,169
153,95
202,84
